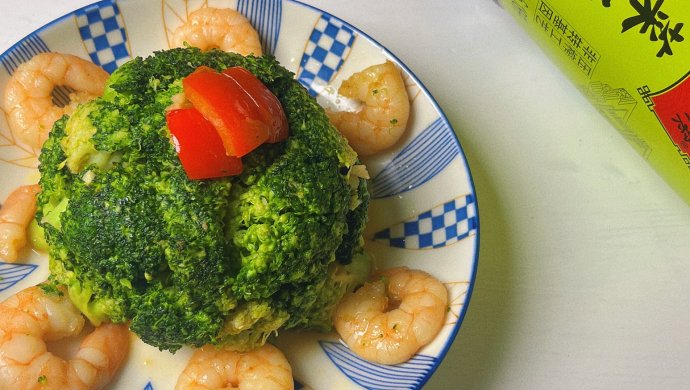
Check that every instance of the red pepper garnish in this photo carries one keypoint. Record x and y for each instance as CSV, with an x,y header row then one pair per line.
x,y
199,147
238,106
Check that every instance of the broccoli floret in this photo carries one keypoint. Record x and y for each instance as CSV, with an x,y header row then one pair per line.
x,y
189,262
319,300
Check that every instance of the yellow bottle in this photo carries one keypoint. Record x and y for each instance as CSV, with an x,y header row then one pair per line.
x,y
631,58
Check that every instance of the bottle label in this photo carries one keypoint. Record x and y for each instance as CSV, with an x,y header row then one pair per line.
x,y
672,108
631,59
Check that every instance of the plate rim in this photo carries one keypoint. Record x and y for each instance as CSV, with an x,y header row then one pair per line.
x,y
466,166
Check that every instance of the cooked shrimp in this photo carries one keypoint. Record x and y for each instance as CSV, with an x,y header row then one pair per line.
x,y
382,117
30,318
214,368
390,319
225,29
29,93
15,215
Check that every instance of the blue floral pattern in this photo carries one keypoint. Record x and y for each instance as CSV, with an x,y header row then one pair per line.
x,y
374,376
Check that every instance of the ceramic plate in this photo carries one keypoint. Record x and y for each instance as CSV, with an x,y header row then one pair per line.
x,y
424,209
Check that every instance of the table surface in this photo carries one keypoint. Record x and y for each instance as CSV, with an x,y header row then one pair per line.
x,y
585,251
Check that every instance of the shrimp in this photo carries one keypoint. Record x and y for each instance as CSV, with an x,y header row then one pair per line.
x,y
390,319
212,368
28,96
15,215
381,118
226,29
32,317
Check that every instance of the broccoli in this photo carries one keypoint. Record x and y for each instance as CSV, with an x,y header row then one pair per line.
x,y
189,262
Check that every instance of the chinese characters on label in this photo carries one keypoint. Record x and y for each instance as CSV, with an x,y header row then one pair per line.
x,y
653,21
682,125
563,34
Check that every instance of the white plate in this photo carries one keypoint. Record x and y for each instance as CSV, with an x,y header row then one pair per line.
x,y
423,213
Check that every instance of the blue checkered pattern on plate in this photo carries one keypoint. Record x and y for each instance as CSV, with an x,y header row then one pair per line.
x,y
328,47
103,32
11,274
420,160
265,16
443,225
408,375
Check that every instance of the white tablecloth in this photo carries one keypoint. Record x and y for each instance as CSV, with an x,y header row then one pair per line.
x,y
584,268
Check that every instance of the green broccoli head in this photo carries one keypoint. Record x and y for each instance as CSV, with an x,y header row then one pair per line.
x,y
190,262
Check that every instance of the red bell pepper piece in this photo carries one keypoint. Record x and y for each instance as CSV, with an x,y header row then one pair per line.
x,y
244,112
269,105
199,147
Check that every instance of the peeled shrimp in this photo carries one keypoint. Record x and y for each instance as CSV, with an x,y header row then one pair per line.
x,y
31,317
390,319
213,368
28,96
225,29
382,117
15,215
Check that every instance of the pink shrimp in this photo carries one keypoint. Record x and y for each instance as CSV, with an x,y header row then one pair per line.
x,y
28,95
212,368
388,320
224,28
15,215
33,316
